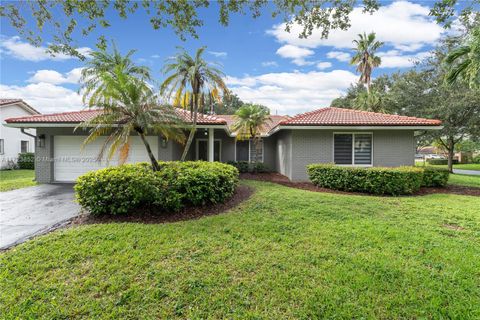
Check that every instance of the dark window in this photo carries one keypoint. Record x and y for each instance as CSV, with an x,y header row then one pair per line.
x,y
23,146
203,150
242,150
363,149
2,150
343,148
350,148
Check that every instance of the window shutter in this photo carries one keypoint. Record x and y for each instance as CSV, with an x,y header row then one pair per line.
x,y
343,148
363,149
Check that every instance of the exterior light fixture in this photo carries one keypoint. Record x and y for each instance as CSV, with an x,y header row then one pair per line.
x,y
163,142
41,141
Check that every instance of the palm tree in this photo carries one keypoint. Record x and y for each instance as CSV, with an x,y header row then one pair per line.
x,y
464,61
249,119
365,58
192,79
103,61
373,101
128,105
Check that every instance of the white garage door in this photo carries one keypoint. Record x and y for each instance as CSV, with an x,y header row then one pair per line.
x,y
71,161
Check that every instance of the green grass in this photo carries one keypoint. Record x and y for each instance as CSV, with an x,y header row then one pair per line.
x,y
286,253
464,180
462,166
16,179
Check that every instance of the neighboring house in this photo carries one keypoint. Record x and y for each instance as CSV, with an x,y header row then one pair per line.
x,y
328,135
12,140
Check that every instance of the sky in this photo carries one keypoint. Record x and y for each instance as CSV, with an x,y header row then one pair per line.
x,y
262,62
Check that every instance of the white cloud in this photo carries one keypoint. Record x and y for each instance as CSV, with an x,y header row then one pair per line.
x,y
155,56
297,54
292,92
45,97
218,54
20,50
394,59
269,64
55,77
324,65
339,55
402,24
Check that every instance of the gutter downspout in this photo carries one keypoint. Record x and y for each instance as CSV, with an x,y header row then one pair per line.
x,y
28,134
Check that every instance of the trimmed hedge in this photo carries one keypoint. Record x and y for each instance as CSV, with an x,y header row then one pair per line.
x,y
392,181
26,160
435,177
441,161
122,189
253,167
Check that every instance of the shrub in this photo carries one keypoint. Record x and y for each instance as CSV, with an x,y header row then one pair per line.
x,y
253,167
120,190
26,160
435,177
393,181
476,159
441,161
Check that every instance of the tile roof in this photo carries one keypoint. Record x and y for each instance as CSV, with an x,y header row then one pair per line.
x,y
84,115
349,117
8,101
265,129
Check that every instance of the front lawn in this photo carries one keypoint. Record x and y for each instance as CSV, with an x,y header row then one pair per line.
x,y
16,179
464,180
285,253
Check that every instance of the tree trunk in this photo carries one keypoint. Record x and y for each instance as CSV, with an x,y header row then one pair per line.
x,y
192,131
450,149
155,166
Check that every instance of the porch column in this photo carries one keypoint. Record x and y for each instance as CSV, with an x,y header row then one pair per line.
x,y
210,145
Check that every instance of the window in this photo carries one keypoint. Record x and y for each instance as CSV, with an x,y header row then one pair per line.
x,y
256,151
2,150
23,146
352,149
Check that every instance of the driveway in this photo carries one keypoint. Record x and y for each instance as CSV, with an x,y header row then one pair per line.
x,y
28,212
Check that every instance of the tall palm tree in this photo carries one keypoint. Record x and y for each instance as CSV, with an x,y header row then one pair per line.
x,y
104,61
249,120
128,105
194,78
464,61
365,57
373,101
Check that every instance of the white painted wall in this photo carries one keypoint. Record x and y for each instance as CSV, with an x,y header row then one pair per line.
x,y
12,137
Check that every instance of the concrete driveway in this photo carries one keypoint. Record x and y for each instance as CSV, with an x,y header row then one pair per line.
x,y
469,172
28,212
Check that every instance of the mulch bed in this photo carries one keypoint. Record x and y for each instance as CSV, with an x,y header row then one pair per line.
x,y
150,215
283,180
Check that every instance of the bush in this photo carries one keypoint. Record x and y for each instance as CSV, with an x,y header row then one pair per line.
x,y
26,160
476,159
393,181
435,177
120,190
441,161
253,167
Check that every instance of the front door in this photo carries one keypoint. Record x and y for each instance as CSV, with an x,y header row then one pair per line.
x,y
202,150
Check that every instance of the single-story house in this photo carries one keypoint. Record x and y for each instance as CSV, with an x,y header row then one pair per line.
x,y
14,141
327,135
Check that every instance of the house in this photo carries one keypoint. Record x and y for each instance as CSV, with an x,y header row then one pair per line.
x,y
12,140
345,137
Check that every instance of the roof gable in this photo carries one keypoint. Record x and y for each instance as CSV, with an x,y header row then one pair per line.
x,y
22,104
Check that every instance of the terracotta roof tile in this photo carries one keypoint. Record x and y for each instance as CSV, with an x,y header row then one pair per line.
x,y
349,117
84,115
8,101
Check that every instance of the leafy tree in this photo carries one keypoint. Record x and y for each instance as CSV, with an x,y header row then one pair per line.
x,y
249,120
82,18
229,105
464,61
365,58
374,101
129,106
192,80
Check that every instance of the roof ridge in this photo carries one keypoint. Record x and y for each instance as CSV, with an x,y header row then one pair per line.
x,y
378,113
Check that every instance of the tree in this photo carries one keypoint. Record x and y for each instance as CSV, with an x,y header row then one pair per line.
x,y
192,79
249,120
464,61
373,101
365,57
82,18
128,106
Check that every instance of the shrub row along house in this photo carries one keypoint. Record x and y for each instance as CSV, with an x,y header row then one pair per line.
x,y
327,135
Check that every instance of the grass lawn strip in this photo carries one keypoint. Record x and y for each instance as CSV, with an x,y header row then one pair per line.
x,y
16,179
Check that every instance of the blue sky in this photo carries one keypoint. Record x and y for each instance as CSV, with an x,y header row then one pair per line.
x,y
263,63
